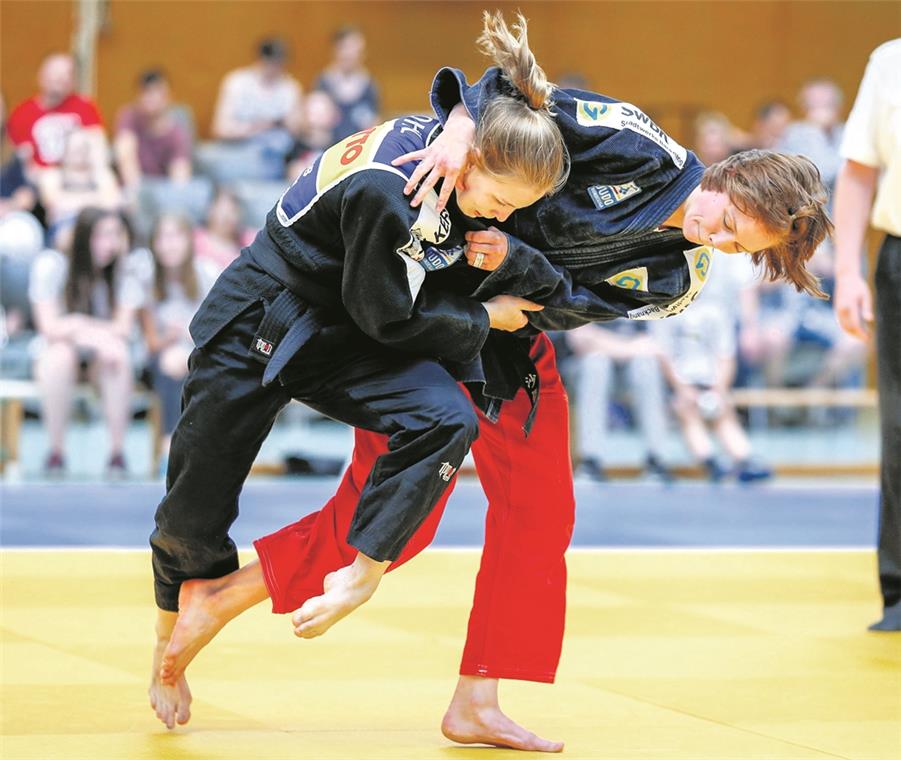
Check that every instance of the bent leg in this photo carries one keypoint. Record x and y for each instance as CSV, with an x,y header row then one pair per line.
x,y
296,559
227,415
429,426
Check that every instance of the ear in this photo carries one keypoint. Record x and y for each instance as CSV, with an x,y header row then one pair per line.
x,y
460,183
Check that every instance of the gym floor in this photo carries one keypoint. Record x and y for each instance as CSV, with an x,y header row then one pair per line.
x,y
704,622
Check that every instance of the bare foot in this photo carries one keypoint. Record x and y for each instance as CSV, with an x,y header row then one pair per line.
x,y
345,590
475,717
199,620
172,704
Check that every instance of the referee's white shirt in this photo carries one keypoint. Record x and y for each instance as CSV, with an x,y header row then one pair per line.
x,y
873,132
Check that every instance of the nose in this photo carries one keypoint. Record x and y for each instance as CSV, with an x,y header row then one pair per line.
x,y
720,239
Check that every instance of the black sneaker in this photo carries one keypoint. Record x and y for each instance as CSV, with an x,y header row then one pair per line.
x,y
115,468
593,470
750,470
891,620
55,466
655,469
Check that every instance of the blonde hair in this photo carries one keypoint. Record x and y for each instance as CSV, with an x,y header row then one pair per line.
x,y
517,135
786,195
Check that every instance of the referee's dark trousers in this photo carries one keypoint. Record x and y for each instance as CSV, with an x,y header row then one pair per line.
x,y
888,344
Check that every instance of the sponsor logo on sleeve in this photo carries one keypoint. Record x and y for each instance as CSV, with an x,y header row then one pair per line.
x,y
604,196
446,471
440,258
698,261
626,116
353,154
631,279
429,227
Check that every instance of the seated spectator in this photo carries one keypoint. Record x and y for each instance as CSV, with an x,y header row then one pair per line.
x,y
84,307
699,362
179,283
82,179
149,140
769,330
819,133
259,107
770,122
572,80
597,349
799,341
714,137
21,240
320,116
38,126
16,193
221,240
349,84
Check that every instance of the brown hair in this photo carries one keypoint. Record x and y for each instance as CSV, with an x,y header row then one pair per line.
x,y
786,195
82,274
517,135
187,274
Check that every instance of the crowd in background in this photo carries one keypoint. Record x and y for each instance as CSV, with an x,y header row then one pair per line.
x,y
111,233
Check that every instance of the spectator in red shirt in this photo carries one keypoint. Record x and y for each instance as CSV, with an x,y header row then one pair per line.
x,y
38,127
150,140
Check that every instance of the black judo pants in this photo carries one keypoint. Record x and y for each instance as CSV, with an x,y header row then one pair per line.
x,y
227,413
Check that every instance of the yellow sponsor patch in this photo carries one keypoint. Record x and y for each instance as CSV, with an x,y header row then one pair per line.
x,y
700,261
631,279
349,155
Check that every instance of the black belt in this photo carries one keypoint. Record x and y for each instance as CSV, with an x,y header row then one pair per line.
x,y
265,254
293,317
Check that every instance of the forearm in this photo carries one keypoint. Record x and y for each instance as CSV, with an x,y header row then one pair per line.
x,y
126,151
180,170
854,191
62,328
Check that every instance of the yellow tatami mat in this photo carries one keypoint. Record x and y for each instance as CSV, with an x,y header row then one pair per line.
x,y
677,655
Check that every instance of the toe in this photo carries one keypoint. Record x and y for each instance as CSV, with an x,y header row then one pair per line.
x,y
537,744
183,714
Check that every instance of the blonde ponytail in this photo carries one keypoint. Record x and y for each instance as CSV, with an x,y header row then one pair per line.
x,y
510,52
517,135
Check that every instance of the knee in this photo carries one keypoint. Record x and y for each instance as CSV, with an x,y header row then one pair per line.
x,y
116,357
174,362
460,422
58,359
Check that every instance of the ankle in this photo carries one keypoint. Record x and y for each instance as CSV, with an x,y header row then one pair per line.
x,y
477,693
366,573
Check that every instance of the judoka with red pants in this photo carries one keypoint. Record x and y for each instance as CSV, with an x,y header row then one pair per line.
x,y
517,619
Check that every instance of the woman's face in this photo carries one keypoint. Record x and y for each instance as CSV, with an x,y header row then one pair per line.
x,y
171,244
711,218
78,150
480,194
109,240
224,214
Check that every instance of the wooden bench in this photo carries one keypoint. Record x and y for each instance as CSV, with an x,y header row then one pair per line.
x,y
860,398
14,394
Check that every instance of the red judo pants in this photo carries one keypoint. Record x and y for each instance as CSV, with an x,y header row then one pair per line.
x,y
517,618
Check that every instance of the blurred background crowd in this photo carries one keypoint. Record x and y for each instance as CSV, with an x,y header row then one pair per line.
x,y
115,223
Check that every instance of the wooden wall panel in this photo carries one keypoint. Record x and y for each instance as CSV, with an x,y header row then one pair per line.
x,y
670,57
